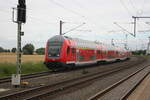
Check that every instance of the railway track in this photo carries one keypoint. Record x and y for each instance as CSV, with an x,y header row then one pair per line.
x,y
27,76
102,94
47,90
34,75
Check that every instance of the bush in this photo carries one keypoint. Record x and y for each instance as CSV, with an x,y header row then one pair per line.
x,y
1,49
40,51
28,49
13,50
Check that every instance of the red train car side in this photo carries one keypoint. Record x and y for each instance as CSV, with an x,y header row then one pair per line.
x,y
64,51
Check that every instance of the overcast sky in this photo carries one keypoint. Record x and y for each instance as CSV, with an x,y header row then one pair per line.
x,y
43,18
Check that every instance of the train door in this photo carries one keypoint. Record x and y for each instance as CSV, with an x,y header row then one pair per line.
x,y
71,54
77,55
99,54
68,54
94,55
104,54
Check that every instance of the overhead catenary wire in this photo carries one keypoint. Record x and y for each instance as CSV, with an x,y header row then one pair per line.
x,y
72,11
58,4
31,17
138,11
135,9
139,25
87,18
4,11
78,4
67,9
142,7
124,29
42,20
74,28
37,19
128,11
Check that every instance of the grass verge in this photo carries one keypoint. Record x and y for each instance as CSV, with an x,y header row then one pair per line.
x,y
7,69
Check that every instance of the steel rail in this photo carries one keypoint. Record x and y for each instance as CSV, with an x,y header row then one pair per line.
x,y
26,76
64,87
105,91
124,97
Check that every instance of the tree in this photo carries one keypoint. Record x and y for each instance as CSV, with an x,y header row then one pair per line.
x,y
40,51
13,50
139,52
28,49
7,50
1,49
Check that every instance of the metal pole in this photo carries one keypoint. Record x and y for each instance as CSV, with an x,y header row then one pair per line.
x,y
148,47
112,42
60,27
16,78
142,17
19,49
126,42
135,22
134,26
21,18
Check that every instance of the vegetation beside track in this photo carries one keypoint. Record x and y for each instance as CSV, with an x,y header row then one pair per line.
x,y
11,58
7,69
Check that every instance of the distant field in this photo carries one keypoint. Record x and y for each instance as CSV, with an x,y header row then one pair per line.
x,y
30,64
11,58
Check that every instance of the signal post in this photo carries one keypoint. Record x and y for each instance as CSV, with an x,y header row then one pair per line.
x,y
21,18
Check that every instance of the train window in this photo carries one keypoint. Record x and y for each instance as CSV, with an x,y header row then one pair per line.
x,y
104,52
68,49
73,50
92,57
117,52
81,58
54,49
98,51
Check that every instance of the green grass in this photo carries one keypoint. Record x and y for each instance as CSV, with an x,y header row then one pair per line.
x,y
7,69
148,56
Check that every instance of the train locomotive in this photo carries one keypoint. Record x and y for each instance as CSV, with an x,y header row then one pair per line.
x,y
64,52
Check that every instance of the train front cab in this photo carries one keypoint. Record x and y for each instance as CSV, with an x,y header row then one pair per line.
x,y
60,53
55,52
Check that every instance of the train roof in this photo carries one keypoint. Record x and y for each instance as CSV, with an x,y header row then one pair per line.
x,y
85,43
56,38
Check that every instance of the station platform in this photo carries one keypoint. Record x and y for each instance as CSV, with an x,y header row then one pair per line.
x,y
142,92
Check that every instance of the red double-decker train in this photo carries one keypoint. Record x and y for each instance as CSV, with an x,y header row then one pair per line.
x,y
62,51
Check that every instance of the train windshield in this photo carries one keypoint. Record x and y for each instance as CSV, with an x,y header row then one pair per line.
x,y
54,49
